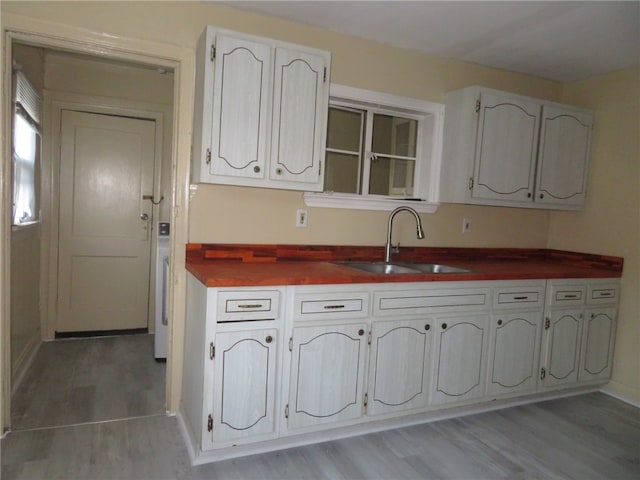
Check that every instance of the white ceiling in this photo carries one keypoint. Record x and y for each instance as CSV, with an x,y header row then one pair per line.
x,y
558,40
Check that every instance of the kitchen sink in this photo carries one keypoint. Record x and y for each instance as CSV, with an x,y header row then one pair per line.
x,y
384,268
381,267
437,268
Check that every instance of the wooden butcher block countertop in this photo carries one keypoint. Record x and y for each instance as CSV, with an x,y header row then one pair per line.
x,y
234,265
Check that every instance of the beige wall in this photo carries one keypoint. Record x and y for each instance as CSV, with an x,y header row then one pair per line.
x,y
246,215
610,223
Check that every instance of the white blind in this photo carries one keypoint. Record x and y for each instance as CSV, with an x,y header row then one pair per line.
x,y
27,97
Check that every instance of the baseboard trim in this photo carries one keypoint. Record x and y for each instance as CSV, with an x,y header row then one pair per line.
x,y
296,440
23,362
622,398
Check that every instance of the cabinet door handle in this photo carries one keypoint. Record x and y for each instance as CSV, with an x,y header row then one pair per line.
x,y
333,307
269,339
361,332
499,322
427,327
256,169
444,326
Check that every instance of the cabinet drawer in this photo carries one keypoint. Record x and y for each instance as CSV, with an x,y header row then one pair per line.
x,y
567,295
238,306
528,296
601,294
319,306
430,301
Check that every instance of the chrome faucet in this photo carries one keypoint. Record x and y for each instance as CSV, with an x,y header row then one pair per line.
x,y
389,247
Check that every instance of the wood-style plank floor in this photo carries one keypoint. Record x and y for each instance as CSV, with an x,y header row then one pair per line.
x,y
90,379
584,437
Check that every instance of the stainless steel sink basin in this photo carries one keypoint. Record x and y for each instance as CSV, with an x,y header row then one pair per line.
x,y
385,268
437,268
381,267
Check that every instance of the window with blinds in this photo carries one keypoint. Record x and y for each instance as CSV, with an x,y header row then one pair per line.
x,y
26,152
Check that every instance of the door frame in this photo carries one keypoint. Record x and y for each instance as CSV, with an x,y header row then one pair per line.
x,y
55,104
58,36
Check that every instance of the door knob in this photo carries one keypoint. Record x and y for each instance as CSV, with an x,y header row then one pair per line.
x,y
144,216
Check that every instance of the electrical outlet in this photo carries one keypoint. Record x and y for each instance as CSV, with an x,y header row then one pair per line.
x,y
466,225
302,217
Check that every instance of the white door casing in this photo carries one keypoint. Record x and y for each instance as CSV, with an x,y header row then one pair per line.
x,y
106,167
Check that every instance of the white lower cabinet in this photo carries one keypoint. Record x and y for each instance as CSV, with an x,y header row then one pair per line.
x,y
514,352
514,338
564,333
598,337
327,374
459,358
264,364
244,385
580,324
399,365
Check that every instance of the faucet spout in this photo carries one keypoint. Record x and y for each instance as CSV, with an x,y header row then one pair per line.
x,y
420,232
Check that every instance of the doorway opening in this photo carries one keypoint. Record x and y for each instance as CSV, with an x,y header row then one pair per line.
x,y
104,175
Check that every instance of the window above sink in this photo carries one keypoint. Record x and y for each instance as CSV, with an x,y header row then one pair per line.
x,y
382,150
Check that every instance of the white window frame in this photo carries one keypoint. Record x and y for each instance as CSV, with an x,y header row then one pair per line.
x,y
428,156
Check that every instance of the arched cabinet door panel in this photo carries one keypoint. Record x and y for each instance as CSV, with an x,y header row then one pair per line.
x,y
563,339
506,148
514,350
597,344
244,385
327,374
398,376
460,345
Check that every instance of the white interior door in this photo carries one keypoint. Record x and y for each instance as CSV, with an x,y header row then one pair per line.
x,y
106,167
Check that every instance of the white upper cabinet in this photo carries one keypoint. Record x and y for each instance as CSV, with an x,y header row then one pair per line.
x,y
260,112
241,88
565,136
510,150
504,165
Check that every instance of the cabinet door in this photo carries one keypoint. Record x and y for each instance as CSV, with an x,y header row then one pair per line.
x,y
562,344
506,148
244,386
597,344
327,374
514,352
565,137
398,366
459,352
300,102
241,94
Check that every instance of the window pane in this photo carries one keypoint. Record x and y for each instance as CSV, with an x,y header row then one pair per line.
x,y
341,173
344,129
394,135
391,177
25,207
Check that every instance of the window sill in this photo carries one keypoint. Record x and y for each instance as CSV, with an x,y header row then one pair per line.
x,y
359,202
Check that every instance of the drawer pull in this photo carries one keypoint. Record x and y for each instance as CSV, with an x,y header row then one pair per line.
x,y
521,298
573,295
605,294
333,307
250,305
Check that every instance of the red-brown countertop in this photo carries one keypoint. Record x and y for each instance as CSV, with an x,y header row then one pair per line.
x,y
270,265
